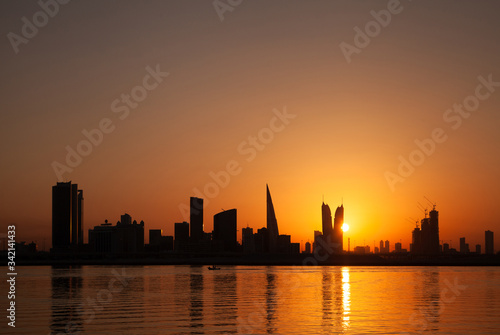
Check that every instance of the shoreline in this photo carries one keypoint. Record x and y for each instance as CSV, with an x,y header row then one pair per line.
x,y
262,260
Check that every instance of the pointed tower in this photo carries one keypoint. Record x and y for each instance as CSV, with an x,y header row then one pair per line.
x,y
272,223
337,228
326,215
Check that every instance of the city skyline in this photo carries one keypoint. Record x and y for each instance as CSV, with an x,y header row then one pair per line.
x,y
176,103
67,225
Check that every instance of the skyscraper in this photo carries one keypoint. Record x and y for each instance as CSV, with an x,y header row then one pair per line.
x,y
196,219
247,240
488,242
326,215
126,237
67,216
181,236
225,229
431,234
416,238
425,240
464,247
337,229
272,223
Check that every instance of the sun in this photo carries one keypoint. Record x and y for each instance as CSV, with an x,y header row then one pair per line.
x,y
345,227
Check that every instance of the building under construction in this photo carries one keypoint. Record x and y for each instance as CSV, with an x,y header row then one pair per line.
x,y
425,240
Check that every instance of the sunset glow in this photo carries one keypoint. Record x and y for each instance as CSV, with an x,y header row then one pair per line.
x,y
223,108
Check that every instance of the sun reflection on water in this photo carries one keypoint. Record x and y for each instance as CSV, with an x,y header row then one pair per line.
x,y
346,297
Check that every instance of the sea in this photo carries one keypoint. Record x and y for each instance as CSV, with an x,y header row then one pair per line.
x,y
253,300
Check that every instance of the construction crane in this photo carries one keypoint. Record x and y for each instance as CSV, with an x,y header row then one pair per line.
x,y
412,220
433,204
422,208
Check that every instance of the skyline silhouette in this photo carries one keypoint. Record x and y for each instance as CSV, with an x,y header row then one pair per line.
x,y
149,112
128,237
138,137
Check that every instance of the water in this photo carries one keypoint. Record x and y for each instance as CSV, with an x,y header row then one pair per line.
x,y
255,300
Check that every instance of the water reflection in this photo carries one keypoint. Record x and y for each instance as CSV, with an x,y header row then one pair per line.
x,y
346,298
326,289
427,302
225,301
66,284
336,296
196,300
271,300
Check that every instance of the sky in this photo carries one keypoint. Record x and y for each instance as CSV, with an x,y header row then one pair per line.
x,y
384,106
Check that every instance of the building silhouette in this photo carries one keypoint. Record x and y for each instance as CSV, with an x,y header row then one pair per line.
x,y
181,236
272,223
416,241
308,248
488,243
225,228
196,219
248,240
338,234
127,237
102,239
317,237
262,240
155,237
464,247
425,240
284,244
158,242
387,247
478,249
430,233
326,216
67,217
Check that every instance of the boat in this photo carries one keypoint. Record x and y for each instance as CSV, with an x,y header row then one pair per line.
x,y
213,267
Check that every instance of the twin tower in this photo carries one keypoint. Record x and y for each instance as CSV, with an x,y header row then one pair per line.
x,y
333,235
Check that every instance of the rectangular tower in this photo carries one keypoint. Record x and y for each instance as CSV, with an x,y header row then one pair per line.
x,y
196,219
67,216
488,242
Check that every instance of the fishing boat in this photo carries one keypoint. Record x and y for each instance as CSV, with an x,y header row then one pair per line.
x,y
213,267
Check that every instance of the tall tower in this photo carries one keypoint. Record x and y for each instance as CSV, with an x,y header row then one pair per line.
x,y
225,228
272,223
80,217
196,219
433,235
488,243
67,216
326,222
337,228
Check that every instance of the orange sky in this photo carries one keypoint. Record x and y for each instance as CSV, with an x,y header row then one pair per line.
x,y
352,120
